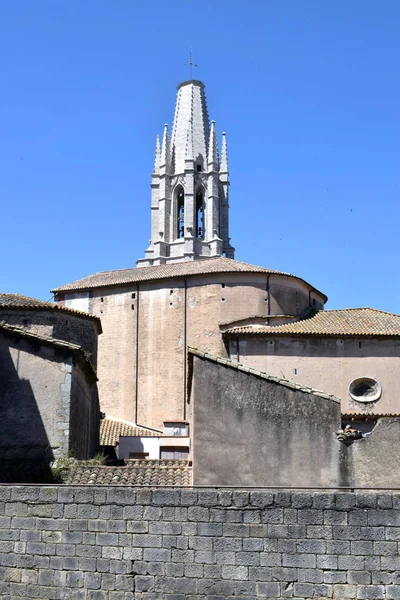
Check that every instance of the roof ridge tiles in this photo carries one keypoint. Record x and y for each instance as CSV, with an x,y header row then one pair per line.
x,y
334,322
203,266
125,422
29,303
245,369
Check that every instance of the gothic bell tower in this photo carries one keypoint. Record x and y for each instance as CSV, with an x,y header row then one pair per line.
x,y
189,199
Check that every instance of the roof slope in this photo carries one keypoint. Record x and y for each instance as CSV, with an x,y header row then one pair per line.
x,y
168,271
136,472
16,301
343,322
22,333
111,429
278,380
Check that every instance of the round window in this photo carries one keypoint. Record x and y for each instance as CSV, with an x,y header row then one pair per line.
x,y
365,389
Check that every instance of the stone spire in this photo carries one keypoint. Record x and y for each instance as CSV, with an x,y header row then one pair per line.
x,y
224,155
190,114
157,156
213,149
189,207
165,148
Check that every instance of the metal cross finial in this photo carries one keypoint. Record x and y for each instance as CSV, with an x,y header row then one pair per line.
x,y
191,64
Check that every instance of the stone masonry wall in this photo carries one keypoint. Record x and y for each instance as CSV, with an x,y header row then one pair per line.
x,y
74,543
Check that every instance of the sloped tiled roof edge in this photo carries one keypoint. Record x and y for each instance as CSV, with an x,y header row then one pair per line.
x,y
59,344
141,473
111,429
16,301
205,266
344,322
278,380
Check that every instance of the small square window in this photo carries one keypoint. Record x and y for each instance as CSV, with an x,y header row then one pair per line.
x,y
199,168
133,296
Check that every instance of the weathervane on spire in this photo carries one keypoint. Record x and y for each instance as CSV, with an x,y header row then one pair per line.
x,y
191,64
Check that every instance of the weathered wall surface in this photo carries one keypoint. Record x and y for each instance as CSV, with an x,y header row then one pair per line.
x,y
328,364
84,416
374,460
65,326
48,405
251,431
34,411
116,363
81,543
160,319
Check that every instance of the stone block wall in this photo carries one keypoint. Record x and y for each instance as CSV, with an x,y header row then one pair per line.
x,y
61,325
112,543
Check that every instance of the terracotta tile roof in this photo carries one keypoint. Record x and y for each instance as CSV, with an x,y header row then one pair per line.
x,y
167,271
136,472
239,367
16,301
343,322
60,344
111,429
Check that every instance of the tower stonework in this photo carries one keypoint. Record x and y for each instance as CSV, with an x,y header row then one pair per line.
x,y
190,184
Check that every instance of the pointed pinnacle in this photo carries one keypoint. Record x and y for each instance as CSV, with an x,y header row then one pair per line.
x,y
157,156
223,168
164,159
213,148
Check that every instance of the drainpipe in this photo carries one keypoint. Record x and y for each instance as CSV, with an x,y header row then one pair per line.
x,y
185,351
137,356
268,299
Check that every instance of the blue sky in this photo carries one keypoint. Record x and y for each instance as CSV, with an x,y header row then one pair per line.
x,y
307,91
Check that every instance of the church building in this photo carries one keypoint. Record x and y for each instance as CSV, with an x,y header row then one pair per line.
x,y
188,291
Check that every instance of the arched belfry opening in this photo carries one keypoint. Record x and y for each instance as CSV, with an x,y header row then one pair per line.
x,y
180,212
200,213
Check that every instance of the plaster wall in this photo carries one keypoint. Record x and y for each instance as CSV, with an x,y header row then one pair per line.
x,y
80,302
150,445
161,343
328,364
116,364
251,431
